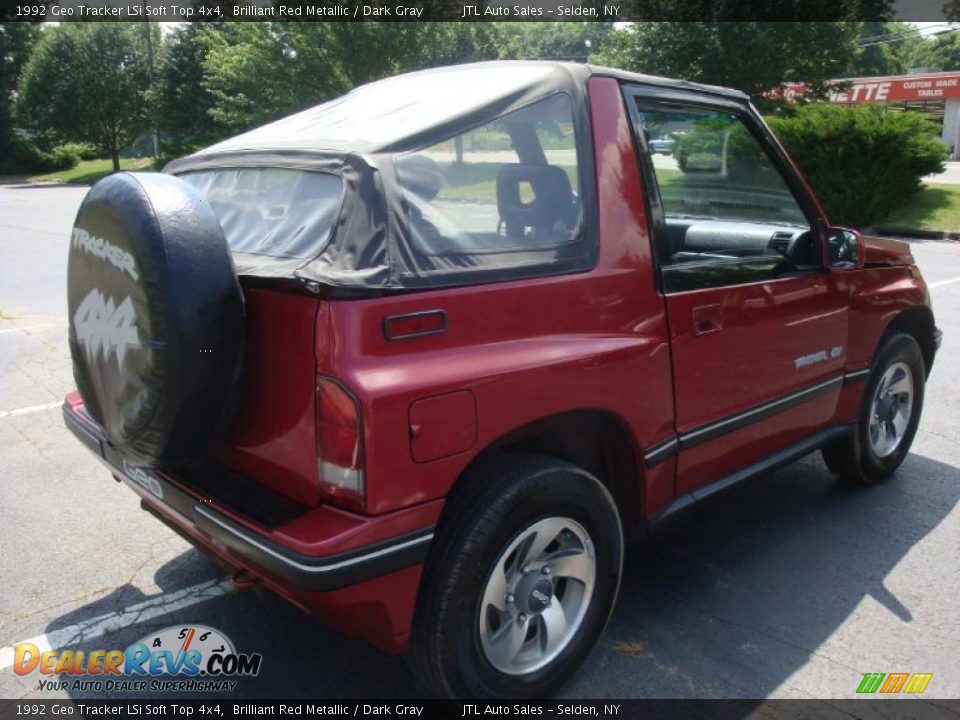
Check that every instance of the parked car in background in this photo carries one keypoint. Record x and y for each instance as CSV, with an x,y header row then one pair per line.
x,y
420,359
662,145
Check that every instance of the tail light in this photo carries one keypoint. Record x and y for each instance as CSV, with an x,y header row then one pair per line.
x,y
339,445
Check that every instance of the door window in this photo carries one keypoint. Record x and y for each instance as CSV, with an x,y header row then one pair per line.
x,y
729,216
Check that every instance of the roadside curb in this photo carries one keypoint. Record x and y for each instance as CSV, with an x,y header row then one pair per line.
x,y
915,234
22,184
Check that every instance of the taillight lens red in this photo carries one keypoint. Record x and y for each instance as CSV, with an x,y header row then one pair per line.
x,y
339,445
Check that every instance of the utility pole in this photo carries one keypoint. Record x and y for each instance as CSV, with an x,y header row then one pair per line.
x,y
156,139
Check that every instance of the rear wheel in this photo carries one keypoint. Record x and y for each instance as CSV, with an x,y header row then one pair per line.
x,y
536,595
889,415
520,582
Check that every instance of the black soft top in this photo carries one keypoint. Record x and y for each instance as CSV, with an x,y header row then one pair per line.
x,y
357,136
404,112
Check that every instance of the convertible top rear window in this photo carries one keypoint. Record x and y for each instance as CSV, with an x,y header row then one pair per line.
x,y
277,212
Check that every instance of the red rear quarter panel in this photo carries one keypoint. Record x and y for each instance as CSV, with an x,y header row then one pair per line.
x,y
525,350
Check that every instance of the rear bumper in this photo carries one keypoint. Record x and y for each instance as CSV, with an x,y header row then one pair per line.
x,y
241,541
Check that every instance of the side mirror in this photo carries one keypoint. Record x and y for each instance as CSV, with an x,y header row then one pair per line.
x,y
844,249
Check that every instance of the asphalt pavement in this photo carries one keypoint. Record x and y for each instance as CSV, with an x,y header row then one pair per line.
x,y
788,586
949,176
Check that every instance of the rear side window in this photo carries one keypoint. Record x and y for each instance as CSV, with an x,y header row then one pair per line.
x,y
278,212
505,189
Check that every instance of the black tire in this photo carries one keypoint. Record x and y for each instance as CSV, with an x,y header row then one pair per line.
x,y
156,317
853,458
496,501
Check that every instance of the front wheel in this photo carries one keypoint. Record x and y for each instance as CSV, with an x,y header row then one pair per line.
x,y
520,582
889,415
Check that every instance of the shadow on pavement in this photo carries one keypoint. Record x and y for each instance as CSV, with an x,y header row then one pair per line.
x,y
727,600
301,657
730,599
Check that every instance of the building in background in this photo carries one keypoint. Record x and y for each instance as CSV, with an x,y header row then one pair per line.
x,y
936,95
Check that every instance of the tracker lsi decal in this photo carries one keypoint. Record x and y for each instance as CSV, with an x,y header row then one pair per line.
x,y
103,326
817,357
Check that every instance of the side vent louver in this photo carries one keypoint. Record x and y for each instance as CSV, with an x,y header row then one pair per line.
x,y
780,242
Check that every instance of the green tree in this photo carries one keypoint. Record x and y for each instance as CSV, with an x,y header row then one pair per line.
x,y
450,43
941,52
16,42
888,48
87,82
182,102
573,41
751,56
815,11
256,72
247,73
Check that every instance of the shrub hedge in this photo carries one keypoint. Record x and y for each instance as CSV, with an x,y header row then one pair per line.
x,y
862,161
26,155
171,150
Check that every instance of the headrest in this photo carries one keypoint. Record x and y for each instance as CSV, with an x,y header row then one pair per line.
x,y
549,182
553,211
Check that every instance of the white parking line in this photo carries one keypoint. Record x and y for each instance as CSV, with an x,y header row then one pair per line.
x,y
28,328
30,409
942,283
133,615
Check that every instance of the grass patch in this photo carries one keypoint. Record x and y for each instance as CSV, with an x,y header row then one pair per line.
x,y
936,207
88,172
470,181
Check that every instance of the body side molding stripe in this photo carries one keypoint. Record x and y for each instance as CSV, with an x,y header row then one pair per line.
x,y
657,453
771,462
853,376
715,429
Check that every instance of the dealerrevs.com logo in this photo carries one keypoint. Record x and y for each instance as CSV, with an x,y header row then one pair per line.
x,y
891,683
195,658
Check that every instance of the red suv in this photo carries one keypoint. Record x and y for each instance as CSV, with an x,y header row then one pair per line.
x,y
419,359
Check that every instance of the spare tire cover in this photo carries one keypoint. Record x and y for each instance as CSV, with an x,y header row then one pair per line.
x,y
156,317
